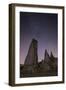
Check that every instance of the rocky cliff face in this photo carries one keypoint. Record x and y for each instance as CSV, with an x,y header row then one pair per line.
x,y
32,57
32,68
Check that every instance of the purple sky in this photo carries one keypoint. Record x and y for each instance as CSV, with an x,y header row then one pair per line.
x,y
42,27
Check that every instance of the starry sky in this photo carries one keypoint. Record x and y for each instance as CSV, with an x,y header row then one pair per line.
x,y
42,27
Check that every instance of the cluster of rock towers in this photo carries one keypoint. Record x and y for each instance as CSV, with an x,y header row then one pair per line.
x,y
32,68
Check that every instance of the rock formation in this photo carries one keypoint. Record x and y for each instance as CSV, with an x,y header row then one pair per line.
x,y
32,57
32,68
46,56
31,61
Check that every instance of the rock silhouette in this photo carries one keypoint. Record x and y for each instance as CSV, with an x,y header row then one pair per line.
x,y
32,68
46,56
32,57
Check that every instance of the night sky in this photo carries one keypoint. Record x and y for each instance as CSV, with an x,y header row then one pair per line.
x,y
42,27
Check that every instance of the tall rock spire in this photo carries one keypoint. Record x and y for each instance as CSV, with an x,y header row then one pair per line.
x,y
51,55
46,56
32,57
